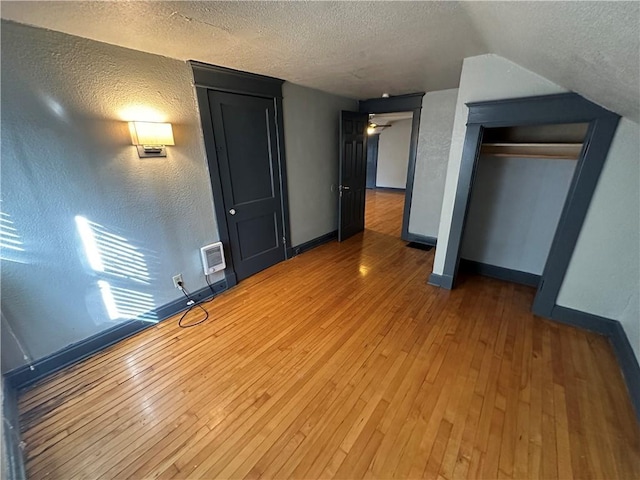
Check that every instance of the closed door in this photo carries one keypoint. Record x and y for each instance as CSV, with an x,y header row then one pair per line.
x,y
353,173
245,135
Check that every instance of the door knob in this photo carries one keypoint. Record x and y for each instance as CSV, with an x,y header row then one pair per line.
x,y
232,211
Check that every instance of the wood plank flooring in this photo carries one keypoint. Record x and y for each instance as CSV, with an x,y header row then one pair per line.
x,y
343,363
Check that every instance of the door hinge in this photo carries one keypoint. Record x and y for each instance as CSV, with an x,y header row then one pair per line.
x,y
284,240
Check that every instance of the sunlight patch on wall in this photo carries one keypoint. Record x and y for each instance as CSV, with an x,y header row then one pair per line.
x,y
117,263
110,253
123,303
11,244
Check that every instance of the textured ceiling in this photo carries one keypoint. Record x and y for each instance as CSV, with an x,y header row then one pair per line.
x,y
361,49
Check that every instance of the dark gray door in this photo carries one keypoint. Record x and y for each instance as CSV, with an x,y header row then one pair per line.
x,y
372,160
246,143
353,173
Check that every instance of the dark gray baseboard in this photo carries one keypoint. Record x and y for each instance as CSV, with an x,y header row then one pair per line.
x,y
500,273
230,278
442,281
391,189
420,246
24,376
14,467
423,239
313,243
586,321
614,331
628,364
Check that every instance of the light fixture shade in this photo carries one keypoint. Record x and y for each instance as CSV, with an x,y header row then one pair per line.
x,y
151,133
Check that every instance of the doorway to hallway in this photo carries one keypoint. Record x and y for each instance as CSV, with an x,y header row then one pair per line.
x,y
383,212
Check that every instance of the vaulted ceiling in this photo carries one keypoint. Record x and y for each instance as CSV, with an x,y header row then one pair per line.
x,y
361,49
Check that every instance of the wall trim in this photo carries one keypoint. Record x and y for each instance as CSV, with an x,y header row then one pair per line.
x,y
549,109
235,81
214,78
313,243
411,168
391,189
373,142
423,239
23,376
284,183
613,330
501,273
628,364
586,321
565,108
395,103
442,281
402,103
11,433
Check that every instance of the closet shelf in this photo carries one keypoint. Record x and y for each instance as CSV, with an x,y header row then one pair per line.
x,y
563,151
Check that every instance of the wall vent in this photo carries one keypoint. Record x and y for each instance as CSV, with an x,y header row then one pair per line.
x,y
212,258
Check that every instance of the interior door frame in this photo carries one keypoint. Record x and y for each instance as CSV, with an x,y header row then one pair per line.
x,y
542,110
411,102
211,77
372,168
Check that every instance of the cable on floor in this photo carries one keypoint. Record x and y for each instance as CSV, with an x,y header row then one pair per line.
x,y
192,304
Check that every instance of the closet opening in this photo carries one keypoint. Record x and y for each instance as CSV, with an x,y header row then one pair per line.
x,y
521,182
520,142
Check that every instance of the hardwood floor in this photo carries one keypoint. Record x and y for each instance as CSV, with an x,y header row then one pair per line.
x,y
343,363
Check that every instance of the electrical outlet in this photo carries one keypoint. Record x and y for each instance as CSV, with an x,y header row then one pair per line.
x,y
176,279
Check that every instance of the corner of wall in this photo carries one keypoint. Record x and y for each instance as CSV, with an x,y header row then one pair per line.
x,y
483,78
12,457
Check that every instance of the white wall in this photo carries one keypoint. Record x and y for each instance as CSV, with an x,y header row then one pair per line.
x,y
486,77
312,128
434,142
393,155
603,277
514,211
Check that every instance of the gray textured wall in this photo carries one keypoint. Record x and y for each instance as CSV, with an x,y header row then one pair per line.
x,y
486,77
514,211
393,155
66,151
312,127
436,124
603,277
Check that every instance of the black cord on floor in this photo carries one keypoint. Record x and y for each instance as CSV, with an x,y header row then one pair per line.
x,y
206,277
196,304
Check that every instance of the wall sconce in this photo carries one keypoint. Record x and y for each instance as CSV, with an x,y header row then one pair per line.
x,y
151,137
